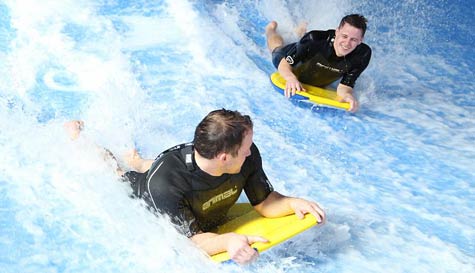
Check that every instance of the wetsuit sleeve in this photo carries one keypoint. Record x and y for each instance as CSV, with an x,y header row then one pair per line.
x,y
359,64
257,186
166,186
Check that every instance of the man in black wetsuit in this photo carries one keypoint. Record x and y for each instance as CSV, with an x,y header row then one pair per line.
x,y
196,184
322,57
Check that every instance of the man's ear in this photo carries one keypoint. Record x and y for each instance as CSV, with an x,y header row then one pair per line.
x,y
222,157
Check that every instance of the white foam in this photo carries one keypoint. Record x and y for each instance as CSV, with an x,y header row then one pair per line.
x,y
395,179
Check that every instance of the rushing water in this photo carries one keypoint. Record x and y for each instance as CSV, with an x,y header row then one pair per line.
x,y
397,179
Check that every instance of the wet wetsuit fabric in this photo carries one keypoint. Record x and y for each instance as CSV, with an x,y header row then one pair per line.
x,y
314,61
195,200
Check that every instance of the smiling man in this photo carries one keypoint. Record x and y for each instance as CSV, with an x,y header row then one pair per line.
x,y
322,57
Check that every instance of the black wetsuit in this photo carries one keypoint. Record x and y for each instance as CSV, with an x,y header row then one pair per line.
x,y
314,61
195,200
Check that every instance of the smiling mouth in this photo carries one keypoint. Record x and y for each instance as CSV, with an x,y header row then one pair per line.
x,y
344,47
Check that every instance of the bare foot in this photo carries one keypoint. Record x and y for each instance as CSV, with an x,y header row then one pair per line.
x,y
272,26
73,128
301,29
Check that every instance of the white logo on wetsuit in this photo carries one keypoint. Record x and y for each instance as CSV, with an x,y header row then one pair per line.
x,y
219,197
289,60
329,68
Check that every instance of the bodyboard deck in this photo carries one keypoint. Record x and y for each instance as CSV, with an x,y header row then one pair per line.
x,y
316,95
245,220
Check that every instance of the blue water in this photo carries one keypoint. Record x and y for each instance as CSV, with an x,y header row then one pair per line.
x,y
396,179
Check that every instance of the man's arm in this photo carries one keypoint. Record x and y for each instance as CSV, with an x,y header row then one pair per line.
x,y
277,205
344,89
237,246
345,93
292,84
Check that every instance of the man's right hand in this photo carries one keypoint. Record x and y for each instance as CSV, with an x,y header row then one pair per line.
x,y
292,86
240,250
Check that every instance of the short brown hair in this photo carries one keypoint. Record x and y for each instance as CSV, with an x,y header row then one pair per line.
x,y
356,20
221,131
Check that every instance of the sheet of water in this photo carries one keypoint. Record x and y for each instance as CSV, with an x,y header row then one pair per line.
x,y
396,179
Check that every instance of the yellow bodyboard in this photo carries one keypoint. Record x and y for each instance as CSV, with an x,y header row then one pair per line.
x,y
314,94
245,220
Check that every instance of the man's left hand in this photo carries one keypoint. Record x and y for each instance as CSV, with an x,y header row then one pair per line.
x,y
301,207
352,101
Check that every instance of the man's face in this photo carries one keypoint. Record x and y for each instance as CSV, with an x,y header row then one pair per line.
x,y
347,38
234,163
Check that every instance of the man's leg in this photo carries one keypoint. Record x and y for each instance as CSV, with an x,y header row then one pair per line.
x,y
301,29
132,158
74,127
274,39
135,161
